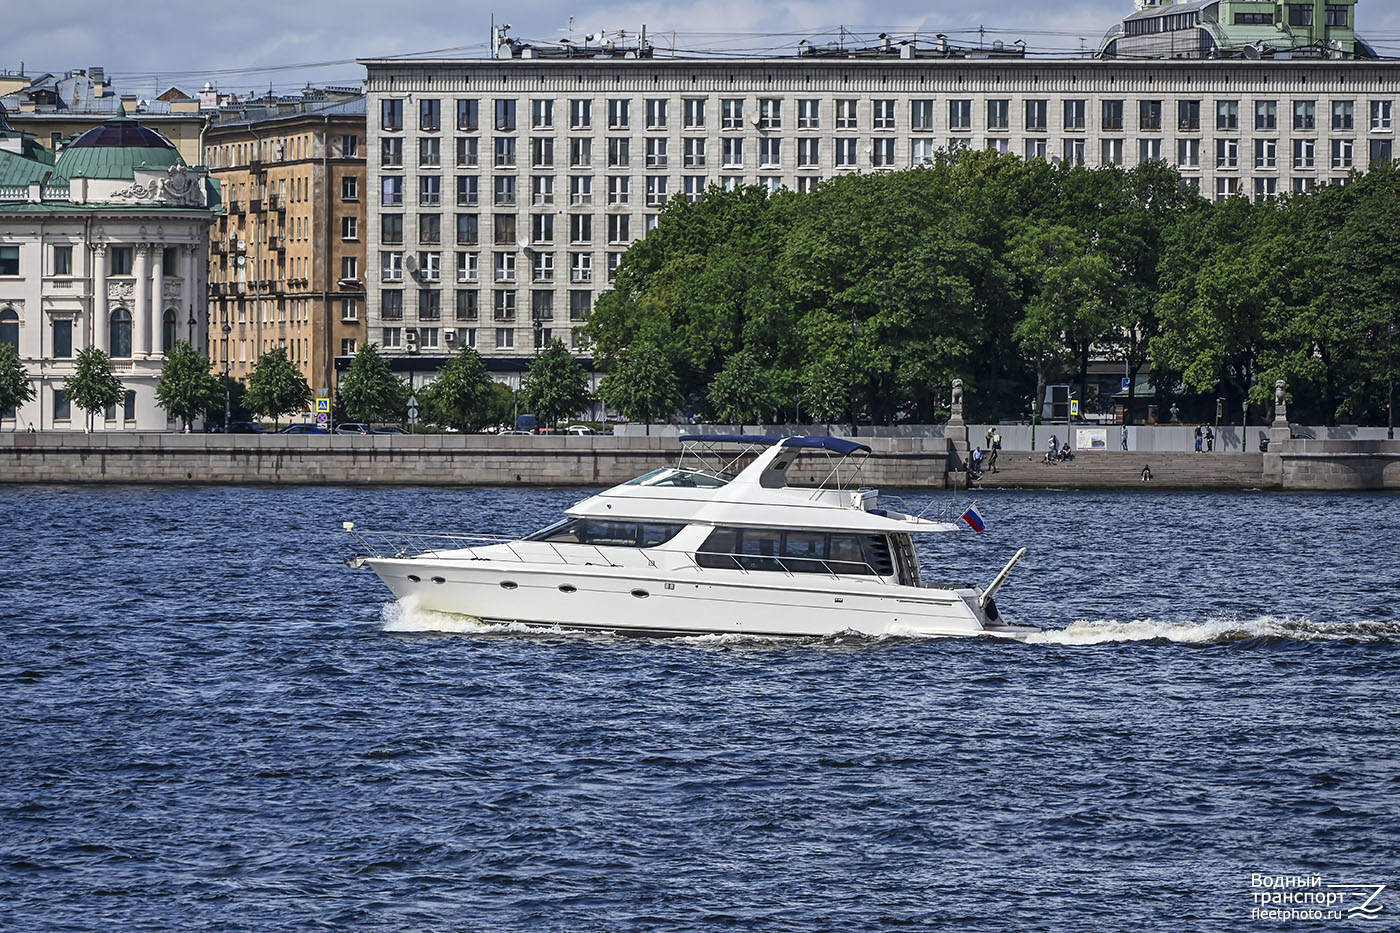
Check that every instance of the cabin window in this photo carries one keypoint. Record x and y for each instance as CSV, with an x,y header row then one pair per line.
x,y
767,549
602,533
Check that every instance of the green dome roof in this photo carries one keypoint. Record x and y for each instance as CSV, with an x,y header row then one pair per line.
x,y
115,150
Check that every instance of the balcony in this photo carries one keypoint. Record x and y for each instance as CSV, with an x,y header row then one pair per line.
x,y
235,207
255,205
278,203
255,166
277,242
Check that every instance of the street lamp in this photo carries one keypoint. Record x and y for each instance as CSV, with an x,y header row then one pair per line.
x,y
191,323
228,379
1390,377
539,335
855,331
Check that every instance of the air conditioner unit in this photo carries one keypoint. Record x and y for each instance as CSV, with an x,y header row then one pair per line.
x,y
410,339
449,334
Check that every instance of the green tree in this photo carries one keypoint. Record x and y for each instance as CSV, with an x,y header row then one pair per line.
x,y
15,387
276,387
499,405
370,391
744,392
642,385
461,393
230,390
92,387
555,385
186,387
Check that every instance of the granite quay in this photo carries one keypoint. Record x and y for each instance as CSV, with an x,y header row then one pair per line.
x,y
487,460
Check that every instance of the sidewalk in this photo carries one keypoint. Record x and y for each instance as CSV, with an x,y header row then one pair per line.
x,y
1096,469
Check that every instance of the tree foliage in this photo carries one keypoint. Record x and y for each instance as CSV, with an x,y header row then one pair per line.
x,y
187,389
555,385
642,385
276,387
1010,274
369,390
15,385
461,394
93,387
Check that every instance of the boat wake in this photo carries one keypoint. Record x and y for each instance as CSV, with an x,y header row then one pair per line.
x,y
1217,631
406,615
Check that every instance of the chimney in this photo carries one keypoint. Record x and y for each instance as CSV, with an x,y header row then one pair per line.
x,y
98,74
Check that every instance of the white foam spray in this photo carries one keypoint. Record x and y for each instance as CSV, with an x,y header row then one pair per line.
x,y
1216,631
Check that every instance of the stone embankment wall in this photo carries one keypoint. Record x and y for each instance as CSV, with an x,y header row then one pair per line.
x,y
442,459
488,460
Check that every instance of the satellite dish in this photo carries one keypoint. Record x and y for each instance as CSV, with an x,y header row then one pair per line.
x,y
523,242
411,265
242,245
241,260
755,120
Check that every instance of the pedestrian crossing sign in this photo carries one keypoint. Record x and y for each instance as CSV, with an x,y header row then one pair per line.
x,y
1074,408
323,405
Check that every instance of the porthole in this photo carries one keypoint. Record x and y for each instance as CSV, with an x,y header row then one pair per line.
x,y
415,578
567,588
640,594
508,584
439,580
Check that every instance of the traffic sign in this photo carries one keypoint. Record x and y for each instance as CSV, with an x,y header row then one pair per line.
x,y
1074,408
1127,382
323,405
322,417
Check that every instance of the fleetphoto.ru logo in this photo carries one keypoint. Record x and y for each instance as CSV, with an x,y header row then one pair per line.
x,y
1308,897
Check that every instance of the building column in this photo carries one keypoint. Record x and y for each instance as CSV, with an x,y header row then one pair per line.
x,y
158,302
141,313
100,326
196,300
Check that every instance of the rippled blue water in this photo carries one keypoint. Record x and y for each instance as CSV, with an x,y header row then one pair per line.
x,y
210,722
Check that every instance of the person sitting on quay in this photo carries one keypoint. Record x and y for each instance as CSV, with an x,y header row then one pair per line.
x,y
976,466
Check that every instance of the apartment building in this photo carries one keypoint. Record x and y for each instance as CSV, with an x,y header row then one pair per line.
x,y
287,259
504,192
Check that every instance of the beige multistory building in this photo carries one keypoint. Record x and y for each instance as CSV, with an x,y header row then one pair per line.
x,y
287,259
503,192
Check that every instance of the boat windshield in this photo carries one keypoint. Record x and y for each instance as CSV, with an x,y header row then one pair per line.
x,y
672,476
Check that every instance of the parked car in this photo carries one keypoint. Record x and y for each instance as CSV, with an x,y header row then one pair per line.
x,y
304,428
246,427
352,427
526,433
579,430
388,429
526,423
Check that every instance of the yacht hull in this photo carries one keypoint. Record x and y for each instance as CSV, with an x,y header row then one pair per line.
x,y
655,601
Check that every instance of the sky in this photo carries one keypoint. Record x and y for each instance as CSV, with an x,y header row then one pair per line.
x,y
252,45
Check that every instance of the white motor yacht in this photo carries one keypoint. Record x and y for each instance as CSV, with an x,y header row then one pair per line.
x,y
703,548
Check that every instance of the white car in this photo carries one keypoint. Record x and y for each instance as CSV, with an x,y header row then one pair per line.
x,y
579,430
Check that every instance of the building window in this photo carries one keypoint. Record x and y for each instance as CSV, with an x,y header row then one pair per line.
x,y
63,260
505,338
1112,112
808,152
468,190
505,115
581,189
468,152
693,186
580,114
846,153
390,266
391,191
542,152
1227,115
1304,185
62,406
1342,153
504,267
391,115
542,189
1073,149
580,267
504,191
1226,188
619,152
348,346
1304,114
809,114
119,335
881,152
63,339
429,266
349,228
504,229
468,229
391,152
656,152
430,114
618,114
542,114
1149,115
541,306
468,115
504,304
1335,14
1304,153
1227,153
959,114
656,190
998,114
121,261
693,114
619,189
1380,151
770,152
392,336
541,229
806,184
693,152
391,229
349,268
770,113
580,153
505,152
731,111
656,114
617,228
468,266
1300,14
1038,148
429,228
1266,153
846,113
1111,152
732,152
1074,115
468,305
580,228
1342,115
429,304
349,189
1265,114
1188,116
920,115
350,309
1380,115
579,303
1037,115
542,267
999,144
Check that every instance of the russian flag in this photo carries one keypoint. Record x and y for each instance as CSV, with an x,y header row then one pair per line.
x,y
974,518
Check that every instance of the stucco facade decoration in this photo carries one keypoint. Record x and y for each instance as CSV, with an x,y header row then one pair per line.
x,y
105,246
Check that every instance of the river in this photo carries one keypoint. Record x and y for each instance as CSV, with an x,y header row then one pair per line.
x,y
211,722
